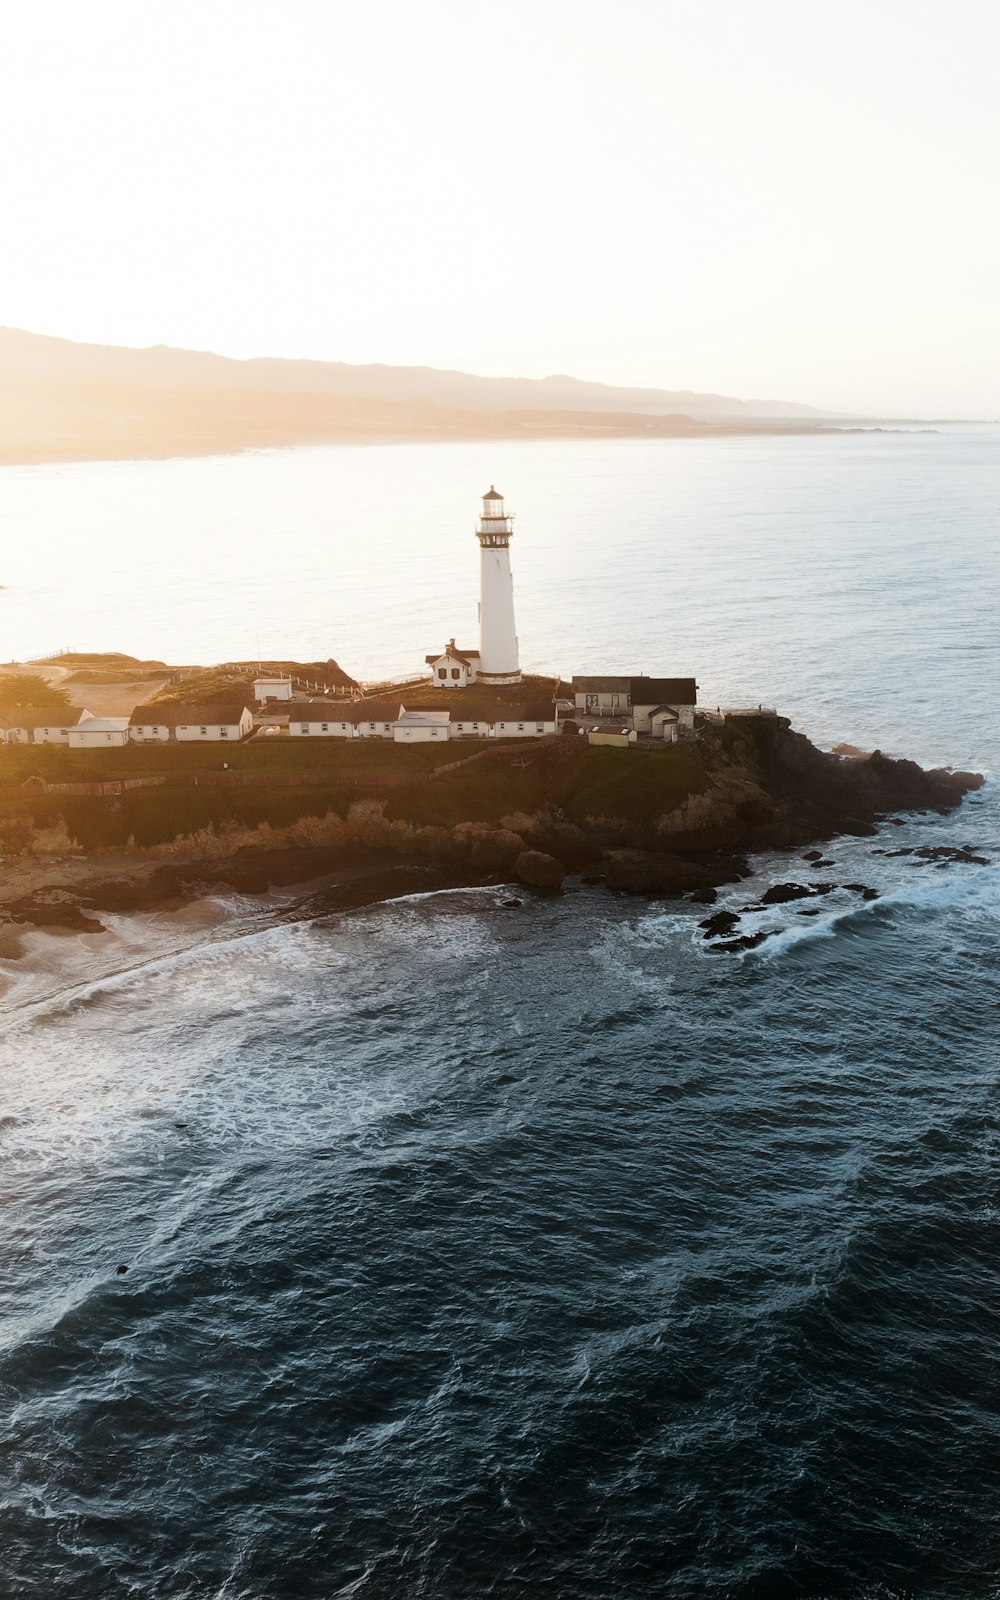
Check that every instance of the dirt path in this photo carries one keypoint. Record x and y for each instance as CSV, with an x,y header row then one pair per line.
x,y
103,699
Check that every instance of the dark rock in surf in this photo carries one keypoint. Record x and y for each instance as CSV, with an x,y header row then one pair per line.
x,y
646,872
723,922
749,941
780,893
940,852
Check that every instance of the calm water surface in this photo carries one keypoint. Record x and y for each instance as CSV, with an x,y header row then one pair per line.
x,y
483,1249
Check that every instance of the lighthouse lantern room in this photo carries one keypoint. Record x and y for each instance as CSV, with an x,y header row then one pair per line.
x,y
498,651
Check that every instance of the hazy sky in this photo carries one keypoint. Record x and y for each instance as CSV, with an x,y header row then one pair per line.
x,y
781,198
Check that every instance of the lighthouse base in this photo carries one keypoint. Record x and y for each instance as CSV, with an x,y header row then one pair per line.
x,y
498,677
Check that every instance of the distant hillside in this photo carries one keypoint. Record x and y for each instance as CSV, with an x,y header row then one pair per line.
x,y
65,401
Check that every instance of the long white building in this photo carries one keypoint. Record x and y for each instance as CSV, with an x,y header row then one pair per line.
x,y
476,719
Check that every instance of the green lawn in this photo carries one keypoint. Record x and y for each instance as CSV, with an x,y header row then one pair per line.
x,y
573,777
280,754
564,775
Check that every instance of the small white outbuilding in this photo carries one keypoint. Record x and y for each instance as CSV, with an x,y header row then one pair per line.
x,y
419,727
99,733
265,689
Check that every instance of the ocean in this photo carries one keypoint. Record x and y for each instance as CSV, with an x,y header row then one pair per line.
x,y
487,1245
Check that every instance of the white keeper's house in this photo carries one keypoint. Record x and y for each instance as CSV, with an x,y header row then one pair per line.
x,y
454,668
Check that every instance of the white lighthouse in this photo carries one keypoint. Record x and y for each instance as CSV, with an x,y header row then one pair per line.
x,y
498,659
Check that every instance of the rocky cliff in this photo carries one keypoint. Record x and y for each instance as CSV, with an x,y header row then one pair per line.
x,y
650,821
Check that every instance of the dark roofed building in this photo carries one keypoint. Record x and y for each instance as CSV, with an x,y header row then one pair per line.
x,y
478,708
602,683
318,707
618,694
670,691
640,700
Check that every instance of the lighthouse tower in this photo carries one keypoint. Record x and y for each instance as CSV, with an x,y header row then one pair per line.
x,y
498,660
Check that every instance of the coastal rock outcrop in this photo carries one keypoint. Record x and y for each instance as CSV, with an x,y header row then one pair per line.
x,y
646,872
672,821
489,848
539,870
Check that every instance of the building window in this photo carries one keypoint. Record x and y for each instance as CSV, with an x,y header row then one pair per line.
x,y
442,672
371,727
108,737
475,727
456,672
305,727
326,727
386,726
520,727
202,730
434,733
343,727
539,727
223,733
503,725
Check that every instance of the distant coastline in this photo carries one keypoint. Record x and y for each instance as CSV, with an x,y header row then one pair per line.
x,y
62,402
112,442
